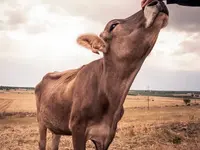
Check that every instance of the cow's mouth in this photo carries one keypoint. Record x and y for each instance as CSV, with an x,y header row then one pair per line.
x,y
154,10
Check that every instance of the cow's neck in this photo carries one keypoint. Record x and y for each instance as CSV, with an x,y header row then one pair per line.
x,y
118,78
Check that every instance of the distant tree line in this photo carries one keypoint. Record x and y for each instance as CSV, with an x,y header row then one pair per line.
x,y
131,92
15,88
163,93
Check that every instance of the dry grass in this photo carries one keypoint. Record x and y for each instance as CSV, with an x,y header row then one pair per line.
x,y
164,126
141,101
21,102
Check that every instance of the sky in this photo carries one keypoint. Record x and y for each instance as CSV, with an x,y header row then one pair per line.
x,y
39,36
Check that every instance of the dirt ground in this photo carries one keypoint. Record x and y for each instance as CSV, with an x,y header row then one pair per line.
x,y
168,124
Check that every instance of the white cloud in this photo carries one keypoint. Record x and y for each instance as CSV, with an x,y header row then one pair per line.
x,y
167,53
44,41
45,33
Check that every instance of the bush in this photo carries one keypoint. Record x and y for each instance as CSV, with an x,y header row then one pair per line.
x,y
187,101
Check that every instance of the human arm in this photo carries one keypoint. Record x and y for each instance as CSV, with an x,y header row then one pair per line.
x,y
185,2
194,3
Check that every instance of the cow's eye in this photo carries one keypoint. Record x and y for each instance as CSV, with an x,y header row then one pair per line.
x,y
113,26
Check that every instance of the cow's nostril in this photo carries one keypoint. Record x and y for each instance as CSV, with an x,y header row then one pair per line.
x,y
153,3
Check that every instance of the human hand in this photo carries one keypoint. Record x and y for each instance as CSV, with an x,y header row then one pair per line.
x,y
145,2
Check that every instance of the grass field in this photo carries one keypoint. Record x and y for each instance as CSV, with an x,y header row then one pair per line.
x,y
168,124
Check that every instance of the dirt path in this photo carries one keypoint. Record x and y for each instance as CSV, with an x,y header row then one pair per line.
x,y
4,104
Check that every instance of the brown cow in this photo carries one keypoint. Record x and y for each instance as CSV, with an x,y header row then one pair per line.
x,y
87,102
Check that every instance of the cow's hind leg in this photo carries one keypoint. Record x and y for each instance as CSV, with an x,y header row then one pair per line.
x,y
43,133
55,141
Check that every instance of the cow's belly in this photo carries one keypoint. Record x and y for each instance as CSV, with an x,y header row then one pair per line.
x,y
56,115
58,130
55,108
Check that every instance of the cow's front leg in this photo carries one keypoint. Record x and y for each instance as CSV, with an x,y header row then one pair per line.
x,y
98,145
101,145
78,127
78,137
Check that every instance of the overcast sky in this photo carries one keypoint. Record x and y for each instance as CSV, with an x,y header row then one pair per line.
x,y
39,36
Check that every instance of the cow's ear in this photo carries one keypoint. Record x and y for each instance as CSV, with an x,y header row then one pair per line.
x,y
92,42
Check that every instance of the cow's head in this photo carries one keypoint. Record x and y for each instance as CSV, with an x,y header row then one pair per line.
x,y
132,38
